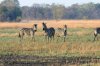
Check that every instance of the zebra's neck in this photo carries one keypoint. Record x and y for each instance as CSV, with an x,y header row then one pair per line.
x,y
46,29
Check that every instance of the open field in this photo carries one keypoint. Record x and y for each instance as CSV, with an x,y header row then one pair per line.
x,y
53,23
79,41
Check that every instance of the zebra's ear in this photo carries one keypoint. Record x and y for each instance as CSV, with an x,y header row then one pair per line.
x,y
65,25
44,23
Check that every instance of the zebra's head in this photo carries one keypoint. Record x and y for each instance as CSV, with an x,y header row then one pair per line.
x,y
65,27
44,26
35,27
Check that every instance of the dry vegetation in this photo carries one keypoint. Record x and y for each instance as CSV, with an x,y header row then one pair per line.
x,y
53,23
79,41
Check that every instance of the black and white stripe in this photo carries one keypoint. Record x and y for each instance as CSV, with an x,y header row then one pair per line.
x,y
28,31
61,32
49,32
96,32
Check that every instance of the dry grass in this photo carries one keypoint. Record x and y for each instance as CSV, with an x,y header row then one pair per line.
x,y
79,40
56,24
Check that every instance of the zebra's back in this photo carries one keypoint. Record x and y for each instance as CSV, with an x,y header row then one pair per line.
x,y
98,30
27,31
59,32
50,32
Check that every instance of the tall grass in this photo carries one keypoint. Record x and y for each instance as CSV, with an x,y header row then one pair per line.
x,y
79,42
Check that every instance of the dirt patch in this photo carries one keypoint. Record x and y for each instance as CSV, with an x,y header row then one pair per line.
x,y
15,60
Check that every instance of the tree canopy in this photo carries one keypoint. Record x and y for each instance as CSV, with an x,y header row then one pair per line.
x,y
10,10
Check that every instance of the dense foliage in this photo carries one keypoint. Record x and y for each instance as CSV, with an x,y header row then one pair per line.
x,y
10,10
76,11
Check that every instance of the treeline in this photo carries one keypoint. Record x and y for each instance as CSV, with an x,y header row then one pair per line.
x,y
10,10
76,11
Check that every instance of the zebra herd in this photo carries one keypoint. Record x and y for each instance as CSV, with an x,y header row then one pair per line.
x,y
50,32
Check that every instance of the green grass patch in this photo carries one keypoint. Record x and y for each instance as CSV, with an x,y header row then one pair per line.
x,y
79,42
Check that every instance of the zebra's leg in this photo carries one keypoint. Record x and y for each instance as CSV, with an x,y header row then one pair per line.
x,y
45,38
95,36
53,37
58,37
33,38
32,33
21,36
64,38
48,38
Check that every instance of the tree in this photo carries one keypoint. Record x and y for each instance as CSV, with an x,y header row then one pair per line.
x,y
10,10
10,3
58,11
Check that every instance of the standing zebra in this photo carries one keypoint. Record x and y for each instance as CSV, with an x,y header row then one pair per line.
x,y
96,32
49,32
28,31
61,32
65,32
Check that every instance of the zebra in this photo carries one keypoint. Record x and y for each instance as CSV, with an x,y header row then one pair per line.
x,y
61,32
28,32
49,32
96,32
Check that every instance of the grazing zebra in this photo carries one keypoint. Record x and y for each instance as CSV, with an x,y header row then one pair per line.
x,y
96,32
28,32
49,32
61,32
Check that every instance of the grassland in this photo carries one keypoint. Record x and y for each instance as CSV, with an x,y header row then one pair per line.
x,y
79,41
